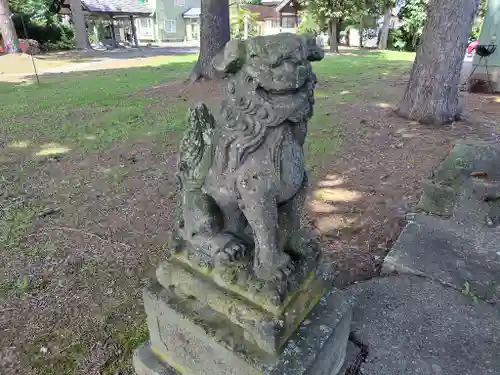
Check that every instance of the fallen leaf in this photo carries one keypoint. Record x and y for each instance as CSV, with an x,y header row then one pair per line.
x,y
479,174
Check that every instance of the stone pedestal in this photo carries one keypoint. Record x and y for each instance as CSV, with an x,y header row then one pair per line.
x,y
242,293
201,324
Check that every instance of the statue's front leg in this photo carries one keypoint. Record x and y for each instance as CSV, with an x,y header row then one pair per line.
x,y
234,226
260,207
296,241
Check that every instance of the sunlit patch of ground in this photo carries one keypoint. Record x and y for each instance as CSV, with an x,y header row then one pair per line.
x,y
85,221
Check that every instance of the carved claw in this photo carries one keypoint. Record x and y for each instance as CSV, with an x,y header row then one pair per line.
x,y
232,252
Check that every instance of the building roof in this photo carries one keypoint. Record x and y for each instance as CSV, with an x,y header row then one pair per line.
x,y
284,3
271,2
192,13
265,12
117,6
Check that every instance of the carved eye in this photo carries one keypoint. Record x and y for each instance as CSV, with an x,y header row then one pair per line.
x,y
249,79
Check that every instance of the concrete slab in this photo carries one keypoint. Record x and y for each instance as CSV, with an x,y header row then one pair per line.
x,y
414,326
146,363
454,254
452,181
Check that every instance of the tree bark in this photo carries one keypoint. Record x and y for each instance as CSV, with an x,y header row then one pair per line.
x,y
361,33
384,34
78,18
431,95
7,29
214,34
334,42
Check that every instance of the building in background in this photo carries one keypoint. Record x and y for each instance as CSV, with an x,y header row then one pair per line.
x,y
274,17
179,20
110,21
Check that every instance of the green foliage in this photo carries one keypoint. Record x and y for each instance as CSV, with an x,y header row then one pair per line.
x,y
478,21
38,11
483,5
476,31
41,24
413,15
323,11
346,12
238,24
308,24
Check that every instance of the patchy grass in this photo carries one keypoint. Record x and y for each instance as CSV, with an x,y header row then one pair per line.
x,y
99,147
89,109
16,219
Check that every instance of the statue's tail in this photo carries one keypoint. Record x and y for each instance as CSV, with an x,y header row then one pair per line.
x,y
197,147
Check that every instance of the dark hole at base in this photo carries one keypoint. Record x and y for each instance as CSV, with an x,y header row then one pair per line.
x,y
355,367
480,86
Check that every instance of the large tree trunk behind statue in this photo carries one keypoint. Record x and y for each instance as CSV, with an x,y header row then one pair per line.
x,y
78,18
7,29
431,96
215,33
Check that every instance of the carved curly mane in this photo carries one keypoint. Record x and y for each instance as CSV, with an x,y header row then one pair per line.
x,y
250,119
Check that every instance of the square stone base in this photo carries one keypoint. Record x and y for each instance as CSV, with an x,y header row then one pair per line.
x,y
192,340
259,323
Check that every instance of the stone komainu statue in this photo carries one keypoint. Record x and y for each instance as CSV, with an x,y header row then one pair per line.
x,y
242,177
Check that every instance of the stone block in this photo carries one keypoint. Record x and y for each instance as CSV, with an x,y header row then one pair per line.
x,y
193,339
457,255
146,363
437,199
416,326
452,180
265,325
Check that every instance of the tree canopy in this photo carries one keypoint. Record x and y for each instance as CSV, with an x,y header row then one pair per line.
x,y
38,10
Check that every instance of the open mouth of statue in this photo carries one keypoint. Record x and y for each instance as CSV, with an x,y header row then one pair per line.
x,y
269,93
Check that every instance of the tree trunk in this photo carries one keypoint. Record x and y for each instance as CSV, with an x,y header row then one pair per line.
x,y
361,33
431,96
7,29
334,42
384,34
78,18
214,34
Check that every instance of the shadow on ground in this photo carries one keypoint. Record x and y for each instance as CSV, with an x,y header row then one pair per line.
x,y
88,195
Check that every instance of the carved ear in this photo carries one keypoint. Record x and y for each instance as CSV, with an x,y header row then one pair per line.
x,y
314,53
232,58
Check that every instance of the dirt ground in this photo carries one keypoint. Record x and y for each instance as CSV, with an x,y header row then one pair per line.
x,y
103,223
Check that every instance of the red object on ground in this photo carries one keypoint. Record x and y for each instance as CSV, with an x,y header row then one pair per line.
x,y
22,46
472,46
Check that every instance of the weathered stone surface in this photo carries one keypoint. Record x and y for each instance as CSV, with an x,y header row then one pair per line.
x,y
147,363
243,178
416,326
267,328
452,253
445,189
244,274
208,345
237,278
437,199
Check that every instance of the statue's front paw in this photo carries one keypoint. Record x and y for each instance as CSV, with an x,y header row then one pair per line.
x,y
233,251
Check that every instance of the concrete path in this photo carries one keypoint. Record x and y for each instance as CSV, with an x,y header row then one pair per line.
x,y
101,60
437,311
466,69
